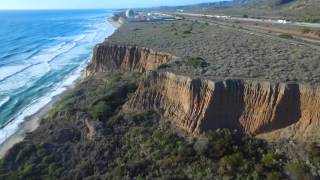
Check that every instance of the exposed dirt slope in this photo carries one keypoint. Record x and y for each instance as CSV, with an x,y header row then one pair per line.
x,y
198,105
109,57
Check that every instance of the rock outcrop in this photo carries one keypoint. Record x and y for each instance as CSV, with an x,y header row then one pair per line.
x,y
110,57
255,108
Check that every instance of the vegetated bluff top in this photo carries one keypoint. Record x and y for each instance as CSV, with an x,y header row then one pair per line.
x,y
218,52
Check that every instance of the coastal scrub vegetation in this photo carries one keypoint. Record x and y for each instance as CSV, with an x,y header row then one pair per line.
x,y
286,36
89,136
196,62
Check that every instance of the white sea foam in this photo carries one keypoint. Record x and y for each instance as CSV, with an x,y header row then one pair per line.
x,y
13,126
79,37
4,100
71,38
24,78
72,50
56,47
49,54
36,105
7,71
44,56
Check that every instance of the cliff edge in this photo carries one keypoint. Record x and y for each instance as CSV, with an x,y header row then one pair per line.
x,y
266,109
110,57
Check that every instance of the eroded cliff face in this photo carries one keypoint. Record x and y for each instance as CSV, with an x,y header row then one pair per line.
x,y
255,108
110,57
264,109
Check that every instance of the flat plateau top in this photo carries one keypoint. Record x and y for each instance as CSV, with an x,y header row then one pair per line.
x,y
218,52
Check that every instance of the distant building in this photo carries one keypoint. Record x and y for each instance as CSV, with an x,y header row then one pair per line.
x,y
281,21
130,13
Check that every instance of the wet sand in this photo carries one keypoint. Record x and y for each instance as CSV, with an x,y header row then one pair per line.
x,y
31,123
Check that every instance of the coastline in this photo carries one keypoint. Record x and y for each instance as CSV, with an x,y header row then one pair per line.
x,y
115,24
32,122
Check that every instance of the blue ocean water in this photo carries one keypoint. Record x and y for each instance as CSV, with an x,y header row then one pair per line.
x,y
42,53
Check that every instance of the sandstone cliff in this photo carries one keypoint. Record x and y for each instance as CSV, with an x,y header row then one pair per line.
x,y
109,57
261,108
255,108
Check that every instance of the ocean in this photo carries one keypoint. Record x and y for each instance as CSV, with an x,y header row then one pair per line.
x,y
42,53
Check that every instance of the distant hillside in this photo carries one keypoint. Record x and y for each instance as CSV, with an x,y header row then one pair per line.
x,y
307,10
301,10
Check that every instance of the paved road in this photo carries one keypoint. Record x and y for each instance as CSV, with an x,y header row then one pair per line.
x,y
280,21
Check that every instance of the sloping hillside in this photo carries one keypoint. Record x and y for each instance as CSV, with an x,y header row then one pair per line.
x,y
307,10
301,10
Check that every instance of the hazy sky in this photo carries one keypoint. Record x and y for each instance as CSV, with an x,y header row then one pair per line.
x,y
89,4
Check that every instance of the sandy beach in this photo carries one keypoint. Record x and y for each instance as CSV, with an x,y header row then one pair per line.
x,y
115,24
31,123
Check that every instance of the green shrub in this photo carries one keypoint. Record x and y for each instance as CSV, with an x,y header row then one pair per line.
x,y
255,175
142,117
137,167
163,66
201,145
54,171
187,32
100,109
65,104
219,143
231,162
120,170
274,176
26,150
313,152
298,169
196,62
286,36
252,148
27,171
132,87
268,160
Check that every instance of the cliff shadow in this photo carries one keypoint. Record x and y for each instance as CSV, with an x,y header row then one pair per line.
x,y
287,111
228,105
225,107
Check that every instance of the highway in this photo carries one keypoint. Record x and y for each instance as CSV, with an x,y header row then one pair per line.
x,y
280,21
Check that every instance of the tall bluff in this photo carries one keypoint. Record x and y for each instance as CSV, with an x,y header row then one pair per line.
x,y
257,108
265,109
109,57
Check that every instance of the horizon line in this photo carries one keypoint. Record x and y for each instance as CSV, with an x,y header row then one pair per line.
x,y
62,9
146,7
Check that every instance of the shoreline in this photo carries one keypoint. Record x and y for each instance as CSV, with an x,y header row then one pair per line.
x,y
115,24
32,122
